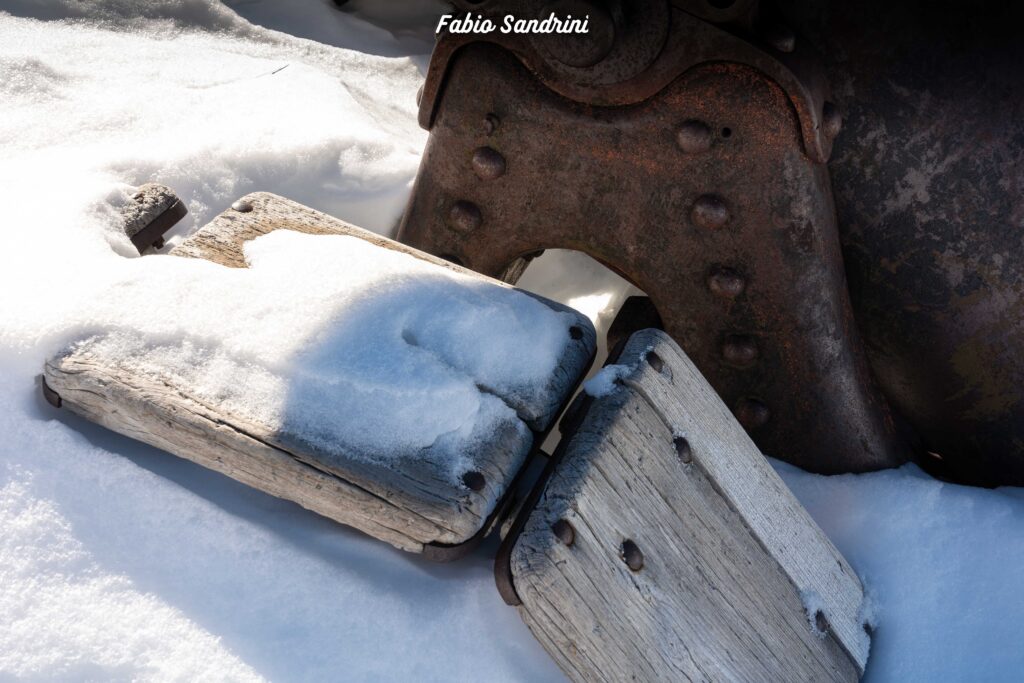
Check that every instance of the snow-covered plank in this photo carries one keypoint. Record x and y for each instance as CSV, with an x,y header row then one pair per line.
x,y
664,547
404,468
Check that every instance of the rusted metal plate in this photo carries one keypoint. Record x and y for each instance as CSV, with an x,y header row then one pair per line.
x,y
928,174
705,189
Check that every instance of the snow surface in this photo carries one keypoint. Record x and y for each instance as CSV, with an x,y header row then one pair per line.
x,y
361,351
118,562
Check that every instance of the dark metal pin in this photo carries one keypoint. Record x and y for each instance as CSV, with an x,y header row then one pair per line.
x,y
564,532
631,555
683,449
474,480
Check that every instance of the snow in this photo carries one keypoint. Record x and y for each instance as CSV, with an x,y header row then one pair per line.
x,y
606,380
360,352
118,562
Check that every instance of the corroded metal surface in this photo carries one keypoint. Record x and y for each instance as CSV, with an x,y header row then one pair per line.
x,y
698,176
929,185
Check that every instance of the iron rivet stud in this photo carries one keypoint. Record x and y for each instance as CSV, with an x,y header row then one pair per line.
x,y
465,216
631,555
491,123
683,449
831,120
474,481
709,212
726,283
780,37
242,206
740,350
564,532
488,164
752,413
694,137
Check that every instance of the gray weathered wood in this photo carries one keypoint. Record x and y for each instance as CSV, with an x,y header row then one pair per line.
x,y
408,505
731,561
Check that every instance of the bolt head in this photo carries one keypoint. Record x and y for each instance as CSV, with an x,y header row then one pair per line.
x,y
488,164
694,137
726,283
464,217
491,123
752,413
564,532
710,212
683,449
740,350
242,206
630,554
831,120
474,481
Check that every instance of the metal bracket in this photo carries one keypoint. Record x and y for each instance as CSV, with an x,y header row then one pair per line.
x,y
701,179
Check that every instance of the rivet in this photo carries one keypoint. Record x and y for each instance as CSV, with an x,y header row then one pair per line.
x,y
488,163
694,137
564,532
739,349
831,120
465,216
491,123
242,206
576,332
683,449
159,243
752,413
709,212
726,282
780,37
654,360
631,555
474,481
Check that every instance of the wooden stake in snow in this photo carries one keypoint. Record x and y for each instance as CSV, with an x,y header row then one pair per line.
x,y
409,499
664,546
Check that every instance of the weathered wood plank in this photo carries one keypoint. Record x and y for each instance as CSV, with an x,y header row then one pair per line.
x,y
222,241
730,558
409,505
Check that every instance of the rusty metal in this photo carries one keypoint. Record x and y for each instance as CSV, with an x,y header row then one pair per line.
x,y
696,171
928,182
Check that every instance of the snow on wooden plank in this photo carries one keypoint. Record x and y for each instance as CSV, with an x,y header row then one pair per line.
x,y
404,413
664,547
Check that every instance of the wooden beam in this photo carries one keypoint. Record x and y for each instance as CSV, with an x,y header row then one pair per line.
x,y
665,547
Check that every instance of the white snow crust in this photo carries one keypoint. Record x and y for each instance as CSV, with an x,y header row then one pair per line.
x,y
119,562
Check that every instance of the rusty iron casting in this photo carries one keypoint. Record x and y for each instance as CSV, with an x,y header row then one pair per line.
x,y
685,147
695,169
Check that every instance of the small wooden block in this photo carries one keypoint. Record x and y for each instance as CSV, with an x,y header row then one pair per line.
x,y
665,547
414,507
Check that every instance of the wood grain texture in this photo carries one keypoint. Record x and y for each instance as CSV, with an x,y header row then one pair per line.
x,y
728,554
409,504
